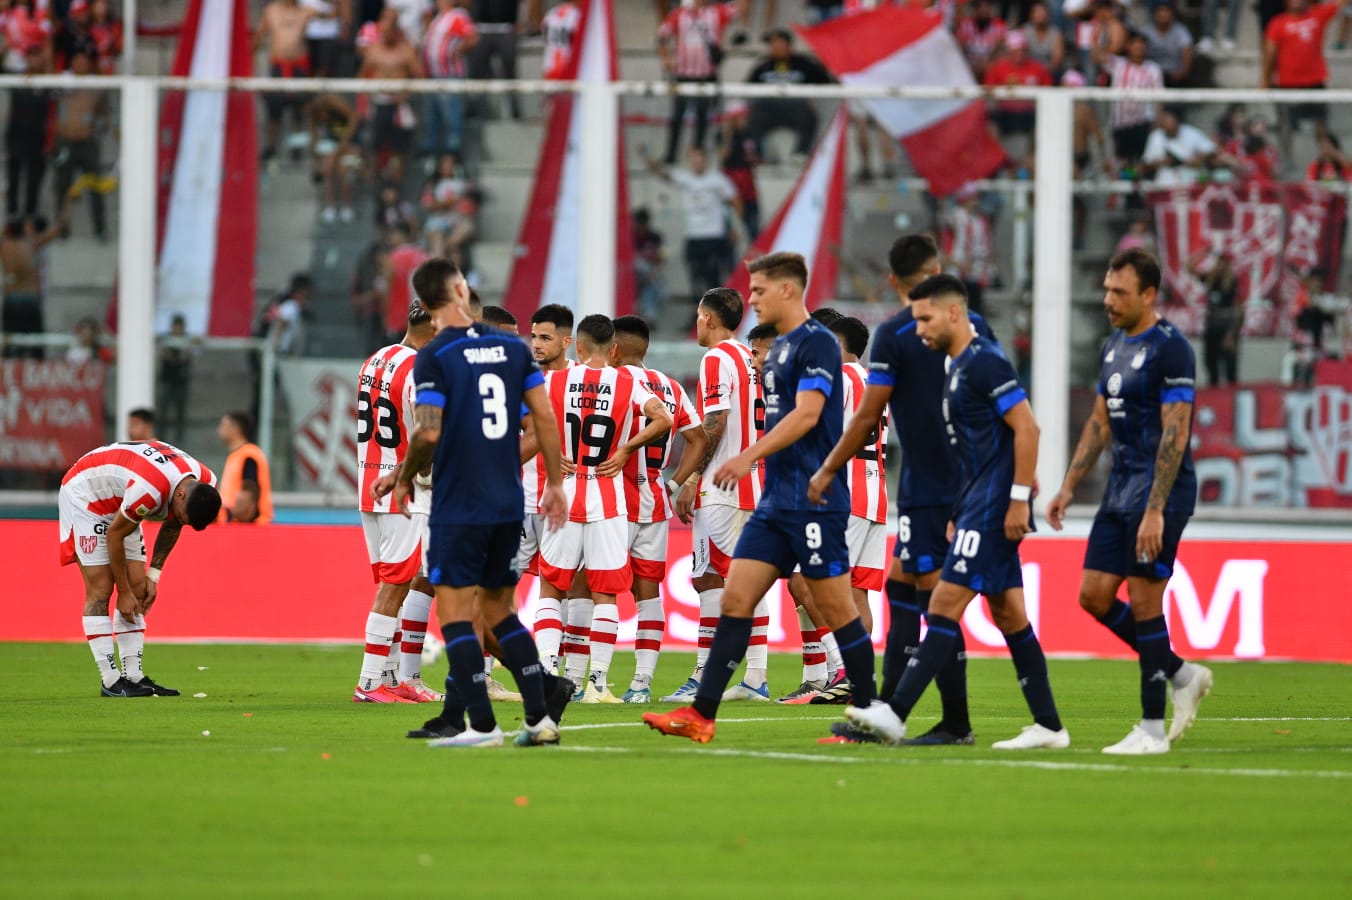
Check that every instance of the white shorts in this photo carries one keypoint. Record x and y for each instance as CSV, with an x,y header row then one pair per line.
x,y
867,543
713,538
648,550
527,561
84,535
601,547
394,545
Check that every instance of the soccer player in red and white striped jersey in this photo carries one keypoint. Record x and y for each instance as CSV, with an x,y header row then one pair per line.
x,y
596,407
559,27
689,40
104,498
394,543
650,509
729,402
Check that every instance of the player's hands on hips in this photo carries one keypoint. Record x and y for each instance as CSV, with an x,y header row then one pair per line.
x,y
819,485
554,507
567,467
732,471
685,502
1056,509
614,465
403,492
1016,520
384,484
1150,536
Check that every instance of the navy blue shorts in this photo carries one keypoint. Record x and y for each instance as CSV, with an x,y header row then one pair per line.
x,y
984,561
815,541
484,556
1112,545
922,538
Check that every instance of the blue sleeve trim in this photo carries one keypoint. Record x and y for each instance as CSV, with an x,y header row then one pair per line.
x,y
883,379
815,383
1098,389
525,410
430,398
1009,401
533,379
1177,395
907,327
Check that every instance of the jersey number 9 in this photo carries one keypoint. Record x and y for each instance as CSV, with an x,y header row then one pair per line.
x,y
594,432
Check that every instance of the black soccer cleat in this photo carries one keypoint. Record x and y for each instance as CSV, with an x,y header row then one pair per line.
x,y
558,701
849,733
437,728
124,688
940,736
158,690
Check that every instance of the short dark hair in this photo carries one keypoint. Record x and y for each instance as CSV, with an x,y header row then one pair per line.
x,y
597,328
941,285
762,332
475,301
144,413
910,253
243,421
556,314
418,316
497,315
1140,261
203,504
725,303
634,326
853,332
782,265
429,282
827,316
299,282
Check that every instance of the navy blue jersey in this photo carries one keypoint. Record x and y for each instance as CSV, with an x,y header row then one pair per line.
x,y
1138,376
478,377
805,359
981,388
900,360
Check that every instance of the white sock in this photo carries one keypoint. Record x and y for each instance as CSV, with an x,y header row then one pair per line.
x,y
413,619
488,665
814,654
1154,728
389,673
710,607
833,661
379,638
758,653
604,626
577,639
131,641
549,632
99,632
648,642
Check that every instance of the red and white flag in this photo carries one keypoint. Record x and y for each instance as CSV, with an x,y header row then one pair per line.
x,y
208,164
947,140
545,269
810,220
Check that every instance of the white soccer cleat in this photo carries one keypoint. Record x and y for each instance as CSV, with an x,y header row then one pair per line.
x,y
743,691
497,691
1035,737
543,733
1188,698
878,719
592,694
471,738
1138,742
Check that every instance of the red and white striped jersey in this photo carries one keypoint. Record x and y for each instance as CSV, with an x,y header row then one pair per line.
x,y
644,490
137,478
1126,74
385,392
867,473
596,410
693,30
532,473
560,29
442,45
728,381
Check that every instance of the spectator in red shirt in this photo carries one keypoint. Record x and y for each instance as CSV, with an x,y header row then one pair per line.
x,y
981,35
1016,67
690,44
1255,157
404,257
106,31
1293,58
1331,165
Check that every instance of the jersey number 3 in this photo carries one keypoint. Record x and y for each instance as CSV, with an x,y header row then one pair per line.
x,y
378,422
493,392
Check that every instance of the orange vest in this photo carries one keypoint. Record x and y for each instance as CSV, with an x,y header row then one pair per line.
x,y
232,476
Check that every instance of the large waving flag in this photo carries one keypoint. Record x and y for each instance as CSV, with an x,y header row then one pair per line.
x,y
810,220
545,269
208,164
947,140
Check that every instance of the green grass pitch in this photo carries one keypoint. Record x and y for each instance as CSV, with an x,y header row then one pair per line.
x,y
298,792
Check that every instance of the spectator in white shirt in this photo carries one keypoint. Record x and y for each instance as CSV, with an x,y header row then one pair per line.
x,y
1176,153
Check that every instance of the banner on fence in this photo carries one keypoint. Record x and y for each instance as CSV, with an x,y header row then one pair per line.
x,y
51,413
322,397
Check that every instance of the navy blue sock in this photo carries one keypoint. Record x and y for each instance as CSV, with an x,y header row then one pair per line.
x,y
935,650
731,639
452,707
951,680
522,658
466,658
856,649
903,632
1118,620
1152,639
1031,666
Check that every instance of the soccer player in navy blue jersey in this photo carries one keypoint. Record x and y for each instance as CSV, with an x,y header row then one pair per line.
x,y
909,376
1144,411
992,433
472,382
804,415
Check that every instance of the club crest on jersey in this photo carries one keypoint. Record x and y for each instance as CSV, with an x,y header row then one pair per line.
x,y
1115,384
1139,359
770,381
88,544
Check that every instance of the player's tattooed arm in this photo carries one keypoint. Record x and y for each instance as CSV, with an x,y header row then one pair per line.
x,y
423,443
1095,436
715,425
164,543
1175,432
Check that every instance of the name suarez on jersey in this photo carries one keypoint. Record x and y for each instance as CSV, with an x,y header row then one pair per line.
x,y
589,396
481,355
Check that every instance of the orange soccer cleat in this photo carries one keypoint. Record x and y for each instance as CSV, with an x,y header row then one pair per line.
x,y
683,722
416,692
